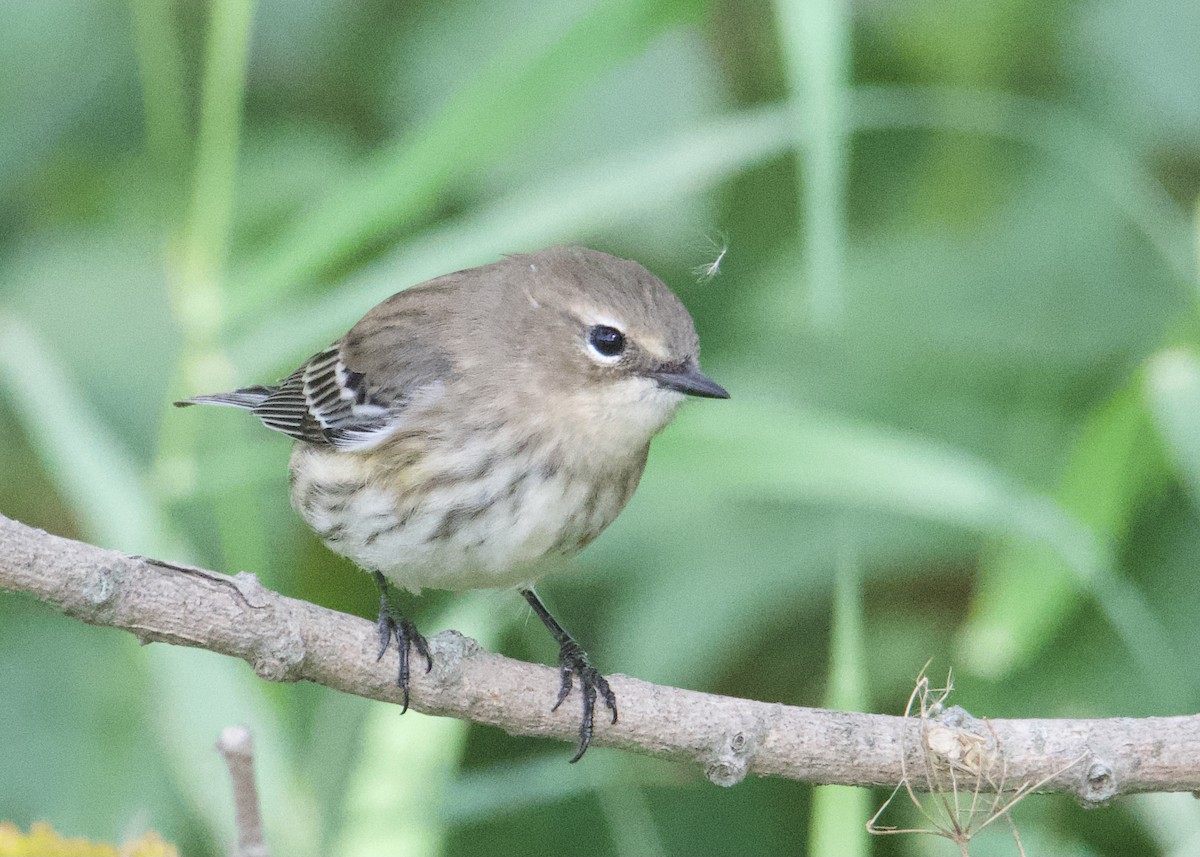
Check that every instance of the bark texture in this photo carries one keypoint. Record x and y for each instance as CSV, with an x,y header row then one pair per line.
x,y
284,639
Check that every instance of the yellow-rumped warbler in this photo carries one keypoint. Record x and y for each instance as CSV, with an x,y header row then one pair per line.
x,y
474,426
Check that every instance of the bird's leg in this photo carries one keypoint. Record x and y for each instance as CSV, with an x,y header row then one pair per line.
x,y
393,624
573,661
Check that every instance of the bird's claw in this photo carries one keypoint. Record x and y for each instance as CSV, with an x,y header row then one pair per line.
x,y
573,661
393,625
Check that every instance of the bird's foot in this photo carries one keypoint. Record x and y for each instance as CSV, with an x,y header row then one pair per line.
x,y
392,625
573,662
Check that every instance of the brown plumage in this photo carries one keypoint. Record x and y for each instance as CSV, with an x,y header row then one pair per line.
x,y
468,429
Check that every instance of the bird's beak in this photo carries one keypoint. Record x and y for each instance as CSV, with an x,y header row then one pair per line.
x,y
691,381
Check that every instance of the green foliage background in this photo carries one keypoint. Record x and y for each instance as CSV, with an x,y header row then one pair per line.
x,y
956,314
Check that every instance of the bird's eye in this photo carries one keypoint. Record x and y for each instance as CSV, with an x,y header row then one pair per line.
x,y
606,341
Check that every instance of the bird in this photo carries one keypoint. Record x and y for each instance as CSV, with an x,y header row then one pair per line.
x,y
472,431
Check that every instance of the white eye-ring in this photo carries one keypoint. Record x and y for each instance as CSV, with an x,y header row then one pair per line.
x,y
607,342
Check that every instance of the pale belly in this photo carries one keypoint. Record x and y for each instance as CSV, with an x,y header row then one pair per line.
x,y
501,528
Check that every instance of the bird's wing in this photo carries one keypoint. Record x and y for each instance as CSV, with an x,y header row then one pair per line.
x,y
358,391
321,401
327,401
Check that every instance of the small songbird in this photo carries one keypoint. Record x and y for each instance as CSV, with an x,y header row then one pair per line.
x,y
469,430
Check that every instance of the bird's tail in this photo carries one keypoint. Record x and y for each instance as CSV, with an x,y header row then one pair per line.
x,y
248,398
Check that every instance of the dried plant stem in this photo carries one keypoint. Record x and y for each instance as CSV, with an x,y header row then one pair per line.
x,y
237,747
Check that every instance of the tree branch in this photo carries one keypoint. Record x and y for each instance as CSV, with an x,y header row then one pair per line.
x,y
284,639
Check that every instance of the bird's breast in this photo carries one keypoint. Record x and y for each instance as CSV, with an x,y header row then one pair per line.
x,y
458,516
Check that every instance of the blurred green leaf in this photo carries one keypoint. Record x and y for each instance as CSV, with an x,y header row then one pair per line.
x,y
848,683
1172,819
771,451
816,46
1173,393
1112,466
96,475
44,94
399,183
840,813
205,238
860,467
1137,60
71,288
1067,138
160,61
631,821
